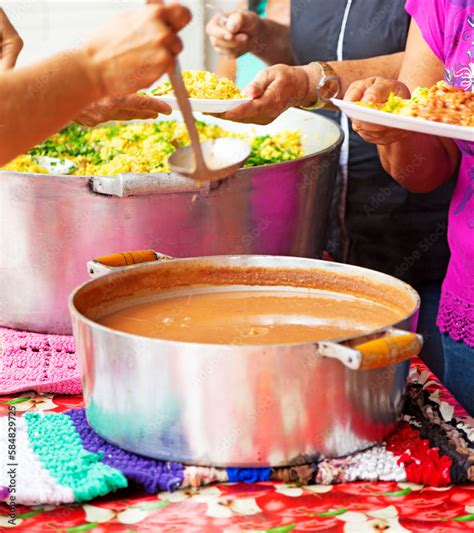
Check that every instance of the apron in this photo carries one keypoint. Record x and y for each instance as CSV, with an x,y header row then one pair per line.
x,y
375,222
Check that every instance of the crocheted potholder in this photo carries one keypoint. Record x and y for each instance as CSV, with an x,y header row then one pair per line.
x,y
60,459
50,463
33,361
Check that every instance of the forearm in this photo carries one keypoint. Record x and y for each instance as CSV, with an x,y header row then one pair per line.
x,y
37,101
387,66
273,44
227,67
349,71
419,162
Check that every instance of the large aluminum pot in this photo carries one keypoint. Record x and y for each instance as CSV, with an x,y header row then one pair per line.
x,y
237,405
51,225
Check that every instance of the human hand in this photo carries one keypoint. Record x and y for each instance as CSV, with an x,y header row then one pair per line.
x,y
237,35
377,90
136,47
10,43
273,91
129,107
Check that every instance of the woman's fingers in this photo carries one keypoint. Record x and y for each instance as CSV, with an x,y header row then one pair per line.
x,y
273,91
174,16
11,43
128,114
172,42
134,106
233,37
357,89
381,89
136,47
216,30
375,90
261,110
369,127
235,22
139,102
94,118
376,134
259,85
378,92
242,113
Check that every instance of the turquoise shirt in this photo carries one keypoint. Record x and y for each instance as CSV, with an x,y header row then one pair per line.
x,y
248,65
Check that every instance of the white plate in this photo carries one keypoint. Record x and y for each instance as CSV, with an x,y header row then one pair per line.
x,y
204,105
358,112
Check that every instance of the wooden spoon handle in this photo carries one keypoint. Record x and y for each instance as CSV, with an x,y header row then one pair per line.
x,y
185,105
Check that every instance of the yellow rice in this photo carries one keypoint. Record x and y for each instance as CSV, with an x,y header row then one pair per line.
x,y
201,84
144,147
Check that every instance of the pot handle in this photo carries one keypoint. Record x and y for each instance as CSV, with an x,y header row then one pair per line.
x,y
122,260
130,184
394,346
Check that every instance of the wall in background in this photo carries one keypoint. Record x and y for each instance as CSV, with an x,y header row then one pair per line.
x,y
48,26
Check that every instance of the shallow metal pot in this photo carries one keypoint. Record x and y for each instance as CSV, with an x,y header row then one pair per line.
x,y
51,225
242,405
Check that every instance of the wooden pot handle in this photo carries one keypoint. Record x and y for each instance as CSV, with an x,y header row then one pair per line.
x,y
108,263
395,347
391,346
122,259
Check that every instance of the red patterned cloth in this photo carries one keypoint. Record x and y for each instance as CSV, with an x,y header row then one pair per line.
x,y
276,507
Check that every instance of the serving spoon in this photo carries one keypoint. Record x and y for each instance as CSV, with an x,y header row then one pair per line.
x,y
210,160
223,16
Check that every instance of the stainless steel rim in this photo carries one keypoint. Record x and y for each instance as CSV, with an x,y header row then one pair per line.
x,y
149,266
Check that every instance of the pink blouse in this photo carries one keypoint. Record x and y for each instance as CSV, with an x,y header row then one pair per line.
x,y
448,28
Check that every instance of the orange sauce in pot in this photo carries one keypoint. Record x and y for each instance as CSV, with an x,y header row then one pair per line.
x,y
245,316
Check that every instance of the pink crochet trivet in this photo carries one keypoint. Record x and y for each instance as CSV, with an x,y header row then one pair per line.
x,y
34,361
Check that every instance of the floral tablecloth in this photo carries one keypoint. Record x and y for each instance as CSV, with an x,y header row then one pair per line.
x,y
259,507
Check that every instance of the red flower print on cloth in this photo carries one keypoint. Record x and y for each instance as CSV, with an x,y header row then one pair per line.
x,y
422,463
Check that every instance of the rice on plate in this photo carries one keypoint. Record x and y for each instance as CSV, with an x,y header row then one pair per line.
x,y
440,103
202,84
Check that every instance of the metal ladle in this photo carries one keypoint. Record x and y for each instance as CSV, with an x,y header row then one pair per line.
x,y
210,160
222,14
